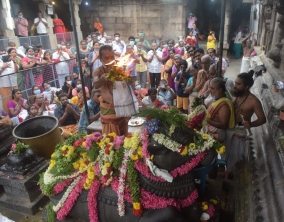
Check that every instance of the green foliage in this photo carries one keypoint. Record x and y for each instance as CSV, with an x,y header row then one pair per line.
x,y
167,117
19,147
93,152
71,139
196,102
117,158
50,214
134,181
46,189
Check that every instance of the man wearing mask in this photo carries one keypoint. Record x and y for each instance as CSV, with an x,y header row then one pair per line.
x,y
145,44
155,61
62,67
132,42
141,68
21,25
40,24
120,43
68,115
116,48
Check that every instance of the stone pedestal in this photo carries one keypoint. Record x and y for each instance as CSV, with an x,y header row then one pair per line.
x,y
24,194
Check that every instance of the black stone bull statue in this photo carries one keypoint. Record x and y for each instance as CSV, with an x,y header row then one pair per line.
x,y
180,188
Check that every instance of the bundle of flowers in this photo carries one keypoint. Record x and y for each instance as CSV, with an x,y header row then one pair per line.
x,y
86,162
117,74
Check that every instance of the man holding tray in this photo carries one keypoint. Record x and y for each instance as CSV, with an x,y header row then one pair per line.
x,y
117,102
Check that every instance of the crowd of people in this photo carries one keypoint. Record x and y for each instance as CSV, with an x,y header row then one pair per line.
x,y
162,73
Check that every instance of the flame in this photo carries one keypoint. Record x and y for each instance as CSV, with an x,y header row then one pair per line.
x,y
123,61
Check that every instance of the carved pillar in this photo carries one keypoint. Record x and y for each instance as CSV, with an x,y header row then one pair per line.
x,y
6,22
77,18
227,27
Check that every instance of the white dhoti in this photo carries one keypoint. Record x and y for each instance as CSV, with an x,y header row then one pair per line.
x,y
236,147
245,64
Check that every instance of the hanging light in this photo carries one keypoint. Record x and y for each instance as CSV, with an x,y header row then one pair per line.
x,y
53,3
87,3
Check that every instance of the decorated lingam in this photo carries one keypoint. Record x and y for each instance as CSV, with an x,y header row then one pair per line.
x,y
141,177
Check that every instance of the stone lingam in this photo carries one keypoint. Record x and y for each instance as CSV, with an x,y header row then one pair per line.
x,y
19,175
141,177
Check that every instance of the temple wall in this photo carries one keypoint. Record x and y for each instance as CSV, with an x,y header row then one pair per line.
x,y
129,17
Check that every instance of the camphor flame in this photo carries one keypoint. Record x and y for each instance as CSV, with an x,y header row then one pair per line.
x,y
121,62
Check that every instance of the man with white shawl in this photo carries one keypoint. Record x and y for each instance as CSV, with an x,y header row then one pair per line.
x,y
117,101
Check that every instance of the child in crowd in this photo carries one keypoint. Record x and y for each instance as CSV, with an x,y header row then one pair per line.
x,y
191,84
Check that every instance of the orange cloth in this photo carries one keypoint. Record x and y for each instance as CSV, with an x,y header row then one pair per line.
x,y
69,130
99,27
111,123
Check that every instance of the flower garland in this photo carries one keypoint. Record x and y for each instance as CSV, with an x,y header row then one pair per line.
x,y
182,170
66,194
191,149
195,118
60,186
152,201
65,209
121,185
145,143
92,201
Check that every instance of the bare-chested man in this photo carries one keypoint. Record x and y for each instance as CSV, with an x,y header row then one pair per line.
x,y
245,104
248,49
202,75
116,104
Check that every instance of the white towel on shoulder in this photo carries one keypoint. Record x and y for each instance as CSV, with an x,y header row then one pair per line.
x,y
124,100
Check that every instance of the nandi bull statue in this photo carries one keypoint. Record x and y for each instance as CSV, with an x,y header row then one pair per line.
x,y
145,176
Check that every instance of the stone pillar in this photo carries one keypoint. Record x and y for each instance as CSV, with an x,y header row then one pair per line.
x,y
42,7
6,20
77,19
227,27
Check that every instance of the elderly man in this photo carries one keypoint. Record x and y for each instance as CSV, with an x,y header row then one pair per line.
x,y
117,103
62,67
220,114
248,49
68,115
202,75
246,105
94,110
145,44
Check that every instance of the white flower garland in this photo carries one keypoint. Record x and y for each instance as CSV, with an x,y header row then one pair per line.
x,y
121,182
66,194
48,177
175,147
167,142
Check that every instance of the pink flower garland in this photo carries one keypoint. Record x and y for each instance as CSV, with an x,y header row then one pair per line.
x,y
71,200
211,210
182,170
60,186
152,201
92,201
96,136
145,143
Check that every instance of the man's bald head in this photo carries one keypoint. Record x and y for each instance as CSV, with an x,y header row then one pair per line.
x,y
206,62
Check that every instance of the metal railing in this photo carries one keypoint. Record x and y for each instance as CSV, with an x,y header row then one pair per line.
x,y
48,42
26,79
